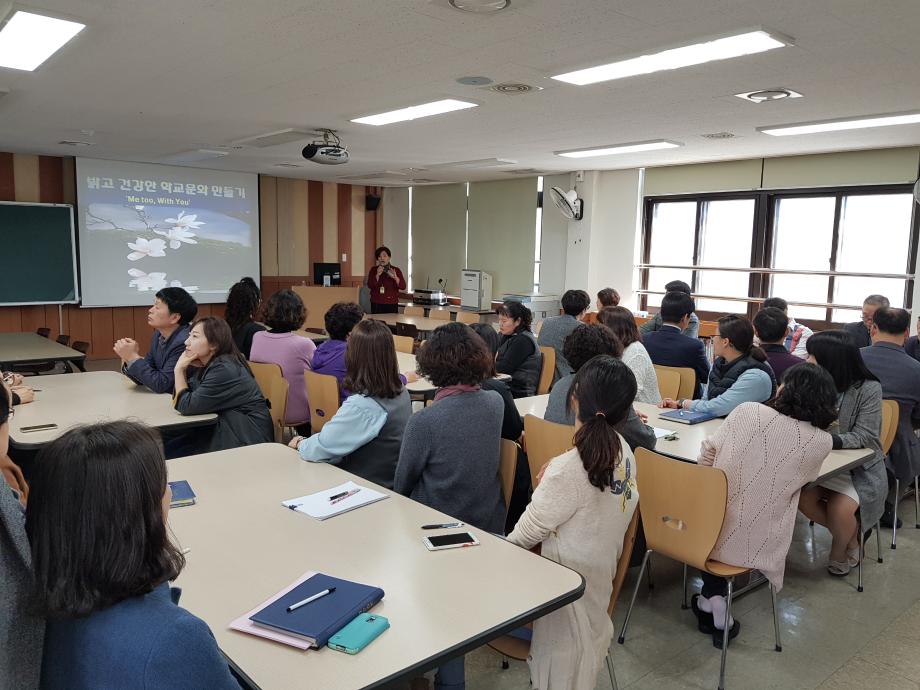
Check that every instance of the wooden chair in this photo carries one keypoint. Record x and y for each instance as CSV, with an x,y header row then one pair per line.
x,y
44,332
891,413
516,648
545,440
407,330
687,381
403,343
683,507
63,339
668,382
83,347
275,389
414,310
467,317
547,370
440,314
708,329
506,466
323,395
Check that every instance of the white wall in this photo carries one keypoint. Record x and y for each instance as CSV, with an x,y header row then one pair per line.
x,y
603,247
396,225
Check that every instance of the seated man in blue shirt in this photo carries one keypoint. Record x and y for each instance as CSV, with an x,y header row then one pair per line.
x,y
668,347
170,316
739,374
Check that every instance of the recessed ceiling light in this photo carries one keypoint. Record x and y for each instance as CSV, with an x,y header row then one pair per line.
x,y
414,112
839,125
479,6
27,39
765,95
675,58
615,149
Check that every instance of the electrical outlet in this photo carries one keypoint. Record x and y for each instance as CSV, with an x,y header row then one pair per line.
x,y
344,257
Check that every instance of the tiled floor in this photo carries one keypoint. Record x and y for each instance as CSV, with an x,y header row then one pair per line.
x,y
833,636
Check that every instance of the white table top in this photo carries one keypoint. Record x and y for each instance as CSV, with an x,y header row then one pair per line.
x,y
690,436
71,399
423,323
407,364
245,547
22,348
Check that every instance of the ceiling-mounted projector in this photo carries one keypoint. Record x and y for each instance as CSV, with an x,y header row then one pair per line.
x,y
328,151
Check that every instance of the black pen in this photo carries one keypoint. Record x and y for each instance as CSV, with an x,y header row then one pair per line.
x,y
344,493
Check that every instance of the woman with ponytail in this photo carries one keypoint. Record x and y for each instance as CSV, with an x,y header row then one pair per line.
x,y
579,512
740,372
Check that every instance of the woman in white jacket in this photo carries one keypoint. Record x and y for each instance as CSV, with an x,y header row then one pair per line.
x,y
580,511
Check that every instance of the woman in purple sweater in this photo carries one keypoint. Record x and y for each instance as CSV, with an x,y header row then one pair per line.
x,y
284,314
329,357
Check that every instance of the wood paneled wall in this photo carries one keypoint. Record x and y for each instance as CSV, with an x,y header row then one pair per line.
x,y
302,222
305,222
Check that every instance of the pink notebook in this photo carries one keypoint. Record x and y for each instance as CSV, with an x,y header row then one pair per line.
x,y
243,624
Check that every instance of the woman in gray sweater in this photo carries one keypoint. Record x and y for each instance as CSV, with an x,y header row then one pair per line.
x,y
584,343
450,452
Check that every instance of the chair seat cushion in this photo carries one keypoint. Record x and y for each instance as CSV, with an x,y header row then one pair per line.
x,y
724,570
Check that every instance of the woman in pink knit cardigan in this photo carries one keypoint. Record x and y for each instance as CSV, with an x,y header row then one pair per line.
x,y
768,453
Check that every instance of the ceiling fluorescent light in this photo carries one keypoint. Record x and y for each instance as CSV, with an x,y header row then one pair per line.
x,y
27,39
414,112
840,125
675,58
615,149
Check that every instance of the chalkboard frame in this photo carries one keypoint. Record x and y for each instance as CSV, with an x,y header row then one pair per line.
x,y
73,256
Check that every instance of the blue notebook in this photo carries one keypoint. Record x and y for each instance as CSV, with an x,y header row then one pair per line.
x,y
182,494
319,620
687,417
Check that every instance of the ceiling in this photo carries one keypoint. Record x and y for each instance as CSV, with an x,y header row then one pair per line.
x,y
154,78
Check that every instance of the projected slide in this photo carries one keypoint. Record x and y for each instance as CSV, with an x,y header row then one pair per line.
x,y
144,227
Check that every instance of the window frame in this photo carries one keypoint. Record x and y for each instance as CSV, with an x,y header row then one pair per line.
x,y
763,243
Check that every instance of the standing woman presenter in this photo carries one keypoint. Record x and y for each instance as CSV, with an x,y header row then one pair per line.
x,y
385,281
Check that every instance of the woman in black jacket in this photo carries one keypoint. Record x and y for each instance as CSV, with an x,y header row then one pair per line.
x,y
221,382
518,354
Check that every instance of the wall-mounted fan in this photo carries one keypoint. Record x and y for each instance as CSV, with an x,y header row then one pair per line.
x,y
568,203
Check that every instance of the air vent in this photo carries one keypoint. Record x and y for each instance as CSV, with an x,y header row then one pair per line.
x,y
765,95
477,163
525,171
718,135
282,136
512,89
74,142
288,165
193,156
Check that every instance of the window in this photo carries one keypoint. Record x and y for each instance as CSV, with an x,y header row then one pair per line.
x,y
822,250
538,239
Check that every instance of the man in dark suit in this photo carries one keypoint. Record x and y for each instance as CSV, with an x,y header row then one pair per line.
x,y
899,374
669,347
859,331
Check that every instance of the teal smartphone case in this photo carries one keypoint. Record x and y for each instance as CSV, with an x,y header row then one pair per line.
x,y
359,633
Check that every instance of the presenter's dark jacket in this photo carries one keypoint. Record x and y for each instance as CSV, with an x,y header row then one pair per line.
x,y
157,369
226,388
146,642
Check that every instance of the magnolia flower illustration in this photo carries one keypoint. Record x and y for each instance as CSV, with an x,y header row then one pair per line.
x,y
187,288
184,222
146,282
177,236
144,248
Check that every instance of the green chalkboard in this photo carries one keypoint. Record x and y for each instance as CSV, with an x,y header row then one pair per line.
x,y
37,254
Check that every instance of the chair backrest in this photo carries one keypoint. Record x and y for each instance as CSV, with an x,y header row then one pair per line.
x,y
682,505
890,417
708,329
413,310
686,381
506,467
407,330
403,343
545,440
668,382
275,389
440,314
547,370
467,317
63,339
44,332
323,395
629,541
81,346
